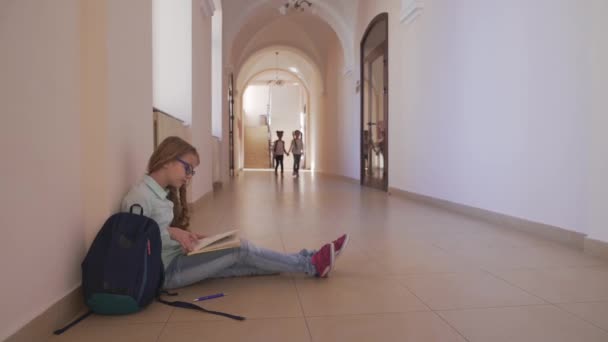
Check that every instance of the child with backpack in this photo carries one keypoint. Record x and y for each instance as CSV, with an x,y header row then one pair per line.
x,y
162,194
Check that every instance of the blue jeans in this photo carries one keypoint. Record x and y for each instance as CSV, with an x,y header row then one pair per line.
x,y
296,163
247,260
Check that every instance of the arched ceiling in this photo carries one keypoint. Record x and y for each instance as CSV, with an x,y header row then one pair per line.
x,y
289,60
270,76
250,25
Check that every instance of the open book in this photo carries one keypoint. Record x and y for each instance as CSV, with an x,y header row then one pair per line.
x,y
216,242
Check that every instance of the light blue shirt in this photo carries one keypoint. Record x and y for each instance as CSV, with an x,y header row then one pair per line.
x,y
153,199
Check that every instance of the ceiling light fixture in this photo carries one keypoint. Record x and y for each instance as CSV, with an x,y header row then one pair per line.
x,y
277,81
295,6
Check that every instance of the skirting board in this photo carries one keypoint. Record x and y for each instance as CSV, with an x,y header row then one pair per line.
x,y
566,237
570,238
57,316
596,248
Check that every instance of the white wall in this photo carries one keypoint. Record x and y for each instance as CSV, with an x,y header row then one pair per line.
x,y
285,110
39,90
327,148
173,57
485,105
77,96
216,70
255,104
116,116
598,124
201,99
129,88
338,147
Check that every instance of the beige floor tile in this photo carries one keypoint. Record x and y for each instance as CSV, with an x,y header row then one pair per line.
x,y
271,241
394,243
522,239
252,297
596,313
456,241
416,260
490,238
115,333
526,257
414,327
467,290
274,330
401,254
561,285
296,241
522,324
355,295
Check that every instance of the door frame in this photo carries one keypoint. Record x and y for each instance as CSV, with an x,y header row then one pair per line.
x,y
380,19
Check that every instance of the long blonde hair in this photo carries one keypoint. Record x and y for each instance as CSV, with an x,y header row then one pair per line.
x,y
170,150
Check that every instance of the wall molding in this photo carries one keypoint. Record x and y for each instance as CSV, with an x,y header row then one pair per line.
x,y
562,236
596,248
55,317
410,10
207,7
569,238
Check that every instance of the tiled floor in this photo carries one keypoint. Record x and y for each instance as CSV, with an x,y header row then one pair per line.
x,y
410,273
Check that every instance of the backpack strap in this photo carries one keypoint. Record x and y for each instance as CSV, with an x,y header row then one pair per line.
x,y
186,305
165,292
76,321
141,212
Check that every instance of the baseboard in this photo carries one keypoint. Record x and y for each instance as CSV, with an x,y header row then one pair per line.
x,y
596,248
563,236
217,186
57,316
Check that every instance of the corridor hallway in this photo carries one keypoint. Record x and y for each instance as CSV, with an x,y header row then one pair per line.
x,y
411,272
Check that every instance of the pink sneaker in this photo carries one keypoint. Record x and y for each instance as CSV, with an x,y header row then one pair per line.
x,y
340,243
323,260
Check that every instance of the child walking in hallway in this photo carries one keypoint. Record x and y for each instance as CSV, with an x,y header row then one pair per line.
x,y
162,195
297,148
278,151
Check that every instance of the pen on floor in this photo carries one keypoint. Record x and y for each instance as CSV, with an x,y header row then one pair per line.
x,y
217,295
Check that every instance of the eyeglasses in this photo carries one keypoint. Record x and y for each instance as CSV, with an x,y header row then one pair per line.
x,y
189,168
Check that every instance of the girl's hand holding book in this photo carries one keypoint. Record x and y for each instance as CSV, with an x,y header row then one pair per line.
x,y
185,238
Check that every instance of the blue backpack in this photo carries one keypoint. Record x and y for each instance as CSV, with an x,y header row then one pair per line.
x,y
123,272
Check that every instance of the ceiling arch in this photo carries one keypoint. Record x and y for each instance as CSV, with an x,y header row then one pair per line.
x,y
290,59
249,18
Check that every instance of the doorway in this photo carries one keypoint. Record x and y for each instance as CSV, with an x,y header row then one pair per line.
x,y
374,104
273,100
